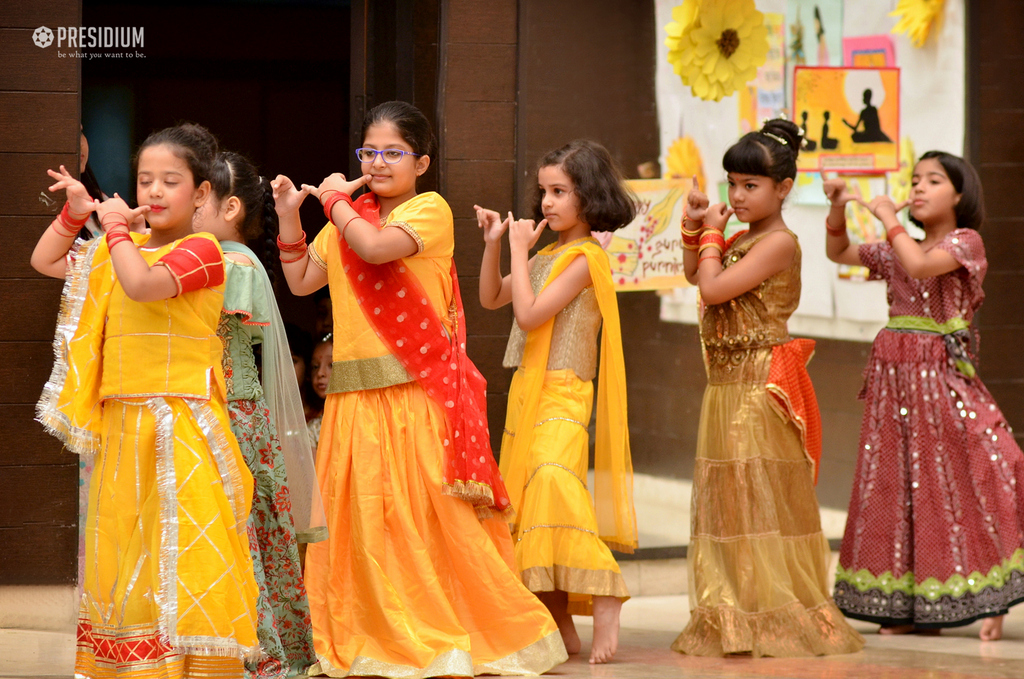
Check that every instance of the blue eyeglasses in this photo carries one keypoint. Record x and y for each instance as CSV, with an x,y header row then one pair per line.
x,y
390,156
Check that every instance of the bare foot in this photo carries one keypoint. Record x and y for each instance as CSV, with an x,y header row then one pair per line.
x,y
557,603
992,629
606,629
896,629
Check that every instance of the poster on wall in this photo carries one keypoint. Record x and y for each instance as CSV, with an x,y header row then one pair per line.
x,y
814,35
648,253
851,117
765,96
869,51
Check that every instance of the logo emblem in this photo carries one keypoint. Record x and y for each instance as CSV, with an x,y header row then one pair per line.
x,y
42,37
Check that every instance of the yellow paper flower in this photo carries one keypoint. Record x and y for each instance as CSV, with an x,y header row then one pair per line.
x,y
899,181
917,18
684,161
720,49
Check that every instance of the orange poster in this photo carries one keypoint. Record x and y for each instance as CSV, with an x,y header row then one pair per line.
x,y
851,118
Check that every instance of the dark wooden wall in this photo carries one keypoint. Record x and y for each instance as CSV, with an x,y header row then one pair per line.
x,y
39,111
995,69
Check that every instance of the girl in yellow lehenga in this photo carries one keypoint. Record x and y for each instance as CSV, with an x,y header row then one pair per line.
x,y
758,559
559,299
169,590
416,578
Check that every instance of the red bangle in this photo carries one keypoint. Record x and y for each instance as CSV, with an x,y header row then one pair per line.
x,y
115,237
71,221
292,261
341,231
297,246
711,235
332,200
56,225
891,234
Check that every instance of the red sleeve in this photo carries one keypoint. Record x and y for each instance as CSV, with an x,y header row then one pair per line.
x,y
196,263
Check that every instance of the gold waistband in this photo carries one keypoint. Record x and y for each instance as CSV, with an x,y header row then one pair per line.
x,y
366,373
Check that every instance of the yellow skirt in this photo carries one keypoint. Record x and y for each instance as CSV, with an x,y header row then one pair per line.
x,y
758,560
410,582
556,537
168,591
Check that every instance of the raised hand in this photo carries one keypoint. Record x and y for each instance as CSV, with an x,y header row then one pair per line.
x,y
492,224
524,233
718,216
287,198
696,203
836,191
336,182
80,202
882,207
114,212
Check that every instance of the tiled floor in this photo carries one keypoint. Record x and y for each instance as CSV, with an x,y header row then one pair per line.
x,y
649,626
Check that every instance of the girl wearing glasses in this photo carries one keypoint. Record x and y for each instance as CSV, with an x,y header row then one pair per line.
x,y
416,578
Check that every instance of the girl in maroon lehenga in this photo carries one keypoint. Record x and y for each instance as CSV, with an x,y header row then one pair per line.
x,y
935,534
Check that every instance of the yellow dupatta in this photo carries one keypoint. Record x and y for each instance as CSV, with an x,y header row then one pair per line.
x,y
613,467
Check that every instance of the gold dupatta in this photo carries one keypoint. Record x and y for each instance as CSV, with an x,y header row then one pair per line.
x,y
613,467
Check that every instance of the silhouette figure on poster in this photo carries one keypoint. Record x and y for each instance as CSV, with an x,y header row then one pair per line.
x,y
872,128
809,144
827,143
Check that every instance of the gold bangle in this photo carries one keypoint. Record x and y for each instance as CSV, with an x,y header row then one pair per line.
x,y
710,245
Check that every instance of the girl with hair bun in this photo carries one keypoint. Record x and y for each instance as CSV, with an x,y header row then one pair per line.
x,y
758,559
137,384
266,416
935,533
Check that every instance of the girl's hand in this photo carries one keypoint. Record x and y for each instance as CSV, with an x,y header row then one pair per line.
x,y
524,234
696,204
336,182
836,191
882,207
115,213
491,223
718,216
287,198
81,203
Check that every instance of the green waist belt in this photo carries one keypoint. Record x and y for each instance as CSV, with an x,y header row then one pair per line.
x,y
925,324
954,334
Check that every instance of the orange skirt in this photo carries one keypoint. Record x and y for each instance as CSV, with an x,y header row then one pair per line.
x,y
410,582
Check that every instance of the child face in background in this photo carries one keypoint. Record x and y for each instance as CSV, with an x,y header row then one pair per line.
x,y
218,217
391,180
320,368
932,195
558,200
165,183
754,197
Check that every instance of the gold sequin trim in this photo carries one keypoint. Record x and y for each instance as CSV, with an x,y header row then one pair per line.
x,y
556,525
315,257
366,373
563,419
575,580
553,464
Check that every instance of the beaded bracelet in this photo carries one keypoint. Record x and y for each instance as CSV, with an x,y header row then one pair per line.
x,y
891,234
332,200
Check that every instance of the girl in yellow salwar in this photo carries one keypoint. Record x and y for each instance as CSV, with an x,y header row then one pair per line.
x,y
169,590
559,299
416,578
757,557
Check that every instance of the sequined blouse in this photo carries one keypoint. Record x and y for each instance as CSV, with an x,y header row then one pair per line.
x,y
758,317
574,337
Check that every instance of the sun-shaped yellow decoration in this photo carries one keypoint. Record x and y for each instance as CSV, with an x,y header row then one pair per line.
x,y
684,161
917,18
716,46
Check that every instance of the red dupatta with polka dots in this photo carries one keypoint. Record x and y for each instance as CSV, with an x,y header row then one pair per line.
x,y
397,308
